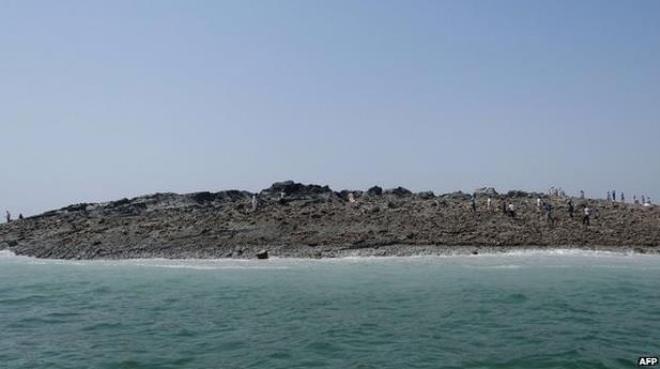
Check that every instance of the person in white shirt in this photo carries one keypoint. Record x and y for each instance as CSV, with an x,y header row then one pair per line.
x,y
511,209
586,219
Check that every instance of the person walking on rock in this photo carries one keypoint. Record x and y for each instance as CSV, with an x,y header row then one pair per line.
x,y
489,204
613,195
571,208
474,204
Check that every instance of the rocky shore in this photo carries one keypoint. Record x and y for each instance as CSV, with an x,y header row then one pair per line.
x,y
311,221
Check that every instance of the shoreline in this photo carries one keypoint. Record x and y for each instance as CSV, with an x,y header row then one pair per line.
x,y
393,251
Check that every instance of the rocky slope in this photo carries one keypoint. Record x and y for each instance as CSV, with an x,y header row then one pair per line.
x,y
295,220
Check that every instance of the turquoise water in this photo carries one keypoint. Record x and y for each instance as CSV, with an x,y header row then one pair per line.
x,y
528,310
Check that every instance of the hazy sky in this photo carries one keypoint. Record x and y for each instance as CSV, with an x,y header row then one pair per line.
x,y
103,100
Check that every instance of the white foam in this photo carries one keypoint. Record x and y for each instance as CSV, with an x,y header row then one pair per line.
x,y
6,254
508,260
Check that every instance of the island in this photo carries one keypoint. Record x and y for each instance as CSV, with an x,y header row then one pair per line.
x,y
291,219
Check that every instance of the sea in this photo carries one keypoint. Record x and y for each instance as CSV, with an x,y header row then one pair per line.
x,y
529,309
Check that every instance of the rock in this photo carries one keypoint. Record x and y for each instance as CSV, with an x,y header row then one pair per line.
x,y
295,190
458,195
486,191
232,195
426,195
375,191
75,207
398,191
202,197
262,254
518,194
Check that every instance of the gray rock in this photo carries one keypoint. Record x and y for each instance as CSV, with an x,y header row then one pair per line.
x,y
486,191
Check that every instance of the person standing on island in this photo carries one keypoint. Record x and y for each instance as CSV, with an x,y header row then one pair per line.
x,y
8,216
587,216
255,203
609,196
623,197
613,195
571,208
489,203
511,210
582,194
474,203
20,216
547,209
538,204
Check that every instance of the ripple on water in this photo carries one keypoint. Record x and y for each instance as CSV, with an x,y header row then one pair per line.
x,y
519,311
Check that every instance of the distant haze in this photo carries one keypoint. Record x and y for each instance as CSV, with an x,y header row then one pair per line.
x,y
101,100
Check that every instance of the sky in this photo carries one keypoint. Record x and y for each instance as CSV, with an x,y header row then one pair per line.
x,y
101,100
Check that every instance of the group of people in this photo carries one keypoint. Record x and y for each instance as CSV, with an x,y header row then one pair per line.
x,y
645,200
8,216
508,208
546,208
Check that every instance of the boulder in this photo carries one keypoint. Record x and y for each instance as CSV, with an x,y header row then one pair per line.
x,y
486,191
426,195
295,190
399,192
375,191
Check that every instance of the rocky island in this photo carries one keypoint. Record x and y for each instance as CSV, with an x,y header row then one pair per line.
x,y
295,220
